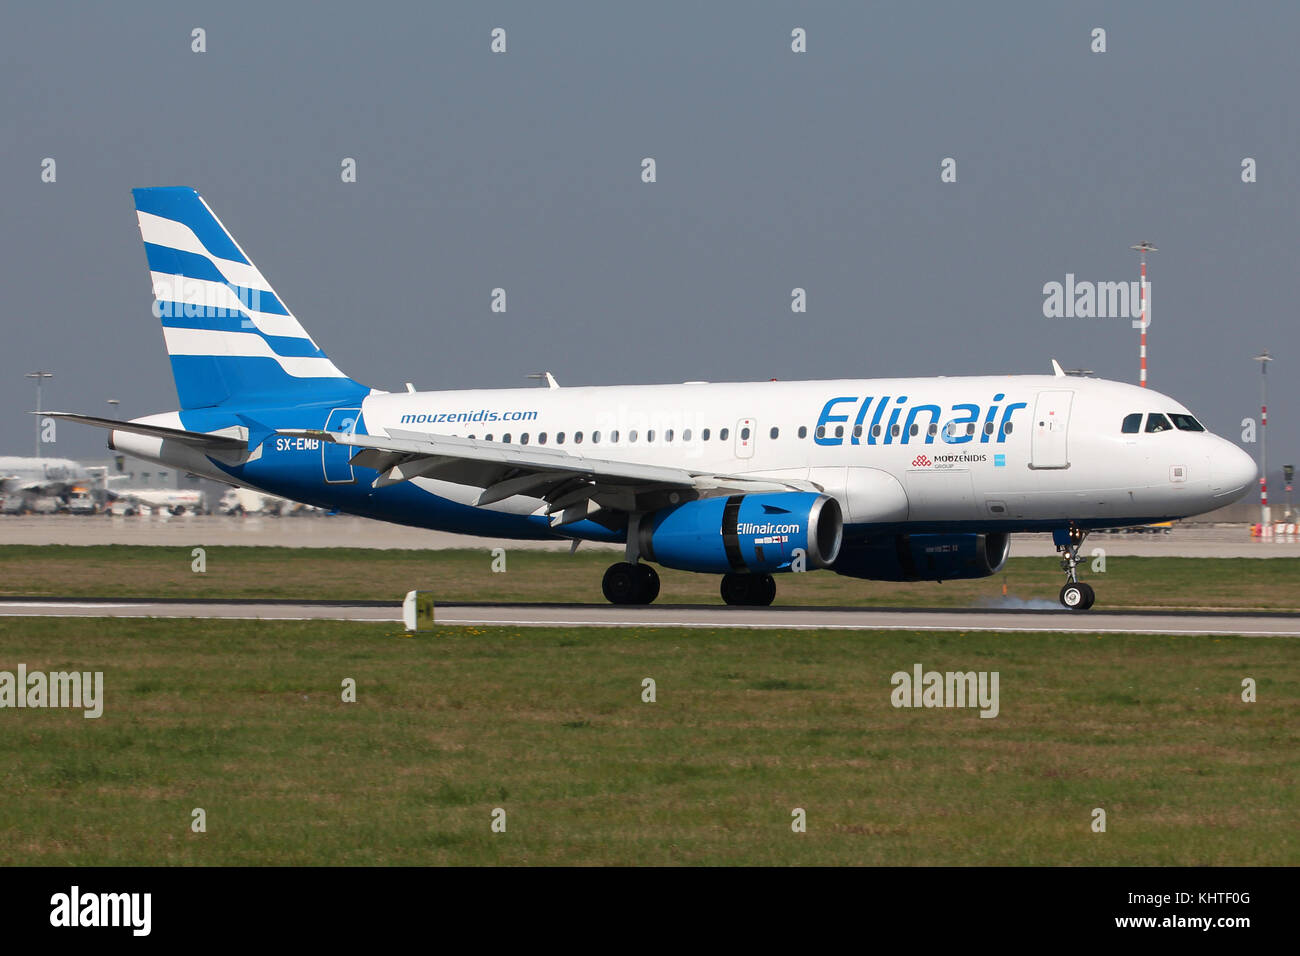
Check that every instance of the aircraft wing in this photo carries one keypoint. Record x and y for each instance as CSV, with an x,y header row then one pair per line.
x,y
15,483
574,486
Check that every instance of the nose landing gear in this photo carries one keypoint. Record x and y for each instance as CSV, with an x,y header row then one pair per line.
x,y
1075,595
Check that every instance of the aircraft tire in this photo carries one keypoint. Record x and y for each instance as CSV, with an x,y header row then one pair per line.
x,y
647,584
621,584
748,590
1077,597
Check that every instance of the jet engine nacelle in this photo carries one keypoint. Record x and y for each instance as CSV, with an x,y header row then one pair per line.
x,y
925,557
756,533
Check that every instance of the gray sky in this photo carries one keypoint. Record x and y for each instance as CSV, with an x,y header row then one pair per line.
x,y
775,170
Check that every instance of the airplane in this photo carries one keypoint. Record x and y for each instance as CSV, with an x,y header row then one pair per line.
x,y
48,475
174,501
898,479
42,485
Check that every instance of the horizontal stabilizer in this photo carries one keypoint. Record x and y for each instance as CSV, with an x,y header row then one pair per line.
x,y
218,441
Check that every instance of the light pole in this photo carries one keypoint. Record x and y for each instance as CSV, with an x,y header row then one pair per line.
x,y
1142,249
1288,475
1263,358
40,377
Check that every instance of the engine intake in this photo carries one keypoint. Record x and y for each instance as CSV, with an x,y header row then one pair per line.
x,y
756,533
925,557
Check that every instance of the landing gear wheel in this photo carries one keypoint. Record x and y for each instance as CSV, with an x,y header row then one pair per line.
x,y
620,583
647,584
1078,597
627,583
1072,596
748,590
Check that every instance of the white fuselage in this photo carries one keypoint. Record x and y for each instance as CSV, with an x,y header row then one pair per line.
x,y
1013,451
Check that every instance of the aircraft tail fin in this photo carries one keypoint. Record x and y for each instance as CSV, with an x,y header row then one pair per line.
x,y
231,339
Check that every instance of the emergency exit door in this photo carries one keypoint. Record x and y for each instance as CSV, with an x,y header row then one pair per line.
x,y
1050,445
746,433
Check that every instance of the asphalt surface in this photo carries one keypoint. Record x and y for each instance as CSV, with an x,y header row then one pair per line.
x,y
774,618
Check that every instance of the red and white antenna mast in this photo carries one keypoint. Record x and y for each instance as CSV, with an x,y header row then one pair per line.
x,y
1143,248
1265,516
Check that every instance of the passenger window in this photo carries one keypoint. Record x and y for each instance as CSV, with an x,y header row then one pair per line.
x,y
839,431
506,438
895,430
774,432
541,438
875,431
487,437
934,429
577,438
704,435
1132,424
857,431
970,428
523,439
803,431
613,437
668,435
1186,423
722,435
631,436
744,433
686,435
988,428
559,438
595,438
914,430
1158,423
650,436
1006,429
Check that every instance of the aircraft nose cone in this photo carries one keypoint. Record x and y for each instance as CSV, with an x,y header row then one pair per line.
x,y
1231,471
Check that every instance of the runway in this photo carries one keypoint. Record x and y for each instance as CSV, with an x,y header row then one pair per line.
x,y
687,616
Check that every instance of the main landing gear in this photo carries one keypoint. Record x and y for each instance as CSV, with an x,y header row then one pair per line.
x,y
627,583
1075,595
750,590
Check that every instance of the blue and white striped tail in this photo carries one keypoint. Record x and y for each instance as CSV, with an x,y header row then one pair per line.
x,y
229,336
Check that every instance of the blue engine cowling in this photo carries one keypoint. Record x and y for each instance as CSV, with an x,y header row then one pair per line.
x,y
924,557
744,533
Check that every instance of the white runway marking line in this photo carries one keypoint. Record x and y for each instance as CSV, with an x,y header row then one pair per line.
x,y
201,611
9,604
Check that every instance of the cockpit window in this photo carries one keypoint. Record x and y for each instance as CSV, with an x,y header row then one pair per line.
x,y
1186,423
1132,424
1158,423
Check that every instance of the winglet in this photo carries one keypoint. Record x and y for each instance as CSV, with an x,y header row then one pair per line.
x,y
1057,370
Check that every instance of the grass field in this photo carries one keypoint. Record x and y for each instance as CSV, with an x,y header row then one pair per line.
x,y
247,722
254,572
